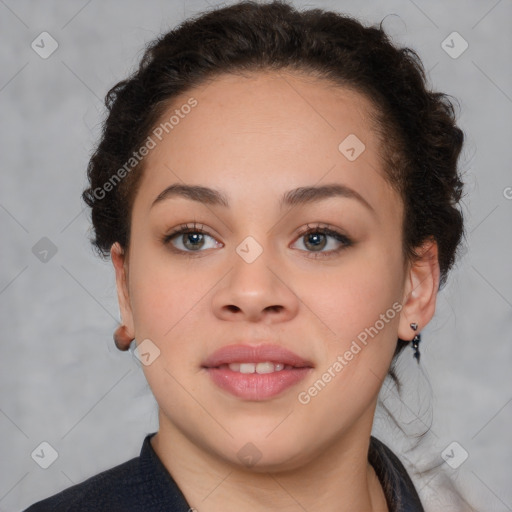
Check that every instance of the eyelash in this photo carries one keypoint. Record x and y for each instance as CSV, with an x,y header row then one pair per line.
x,y
318,228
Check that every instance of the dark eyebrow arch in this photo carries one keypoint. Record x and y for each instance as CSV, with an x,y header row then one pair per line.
x,y
301,195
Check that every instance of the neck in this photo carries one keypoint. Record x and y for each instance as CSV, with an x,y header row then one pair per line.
x,y
340,479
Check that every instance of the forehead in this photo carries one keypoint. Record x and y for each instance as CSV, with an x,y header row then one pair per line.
x,y
269,129
286,104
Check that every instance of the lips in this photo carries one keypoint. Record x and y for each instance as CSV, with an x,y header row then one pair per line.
x,y
235,369
255,354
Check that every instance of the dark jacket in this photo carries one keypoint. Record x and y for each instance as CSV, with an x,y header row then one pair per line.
x,y
144,484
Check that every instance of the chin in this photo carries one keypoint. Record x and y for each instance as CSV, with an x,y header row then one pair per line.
x,y
268,461
259,452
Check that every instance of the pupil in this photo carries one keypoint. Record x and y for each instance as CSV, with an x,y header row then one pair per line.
x,y
193,238
316,236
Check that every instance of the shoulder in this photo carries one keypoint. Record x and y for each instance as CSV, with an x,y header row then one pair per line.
x,y
108,490
141,484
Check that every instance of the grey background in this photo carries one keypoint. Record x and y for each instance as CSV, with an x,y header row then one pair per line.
x,y
62,379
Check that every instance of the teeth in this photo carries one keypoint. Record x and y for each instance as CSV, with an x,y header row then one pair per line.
x,y
266,367
247,368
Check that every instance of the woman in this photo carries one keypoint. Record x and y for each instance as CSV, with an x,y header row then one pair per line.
x,y
278,193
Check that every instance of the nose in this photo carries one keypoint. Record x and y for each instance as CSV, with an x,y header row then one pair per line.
x,y
255,292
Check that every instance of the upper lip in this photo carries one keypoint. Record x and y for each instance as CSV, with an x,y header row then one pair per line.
x,y
240,353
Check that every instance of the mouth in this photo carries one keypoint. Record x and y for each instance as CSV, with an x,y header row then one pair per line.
x,y
256,372
259,368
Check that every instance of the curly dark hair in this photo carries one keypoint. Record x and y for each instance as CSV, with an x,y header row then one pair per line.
x,y
422,141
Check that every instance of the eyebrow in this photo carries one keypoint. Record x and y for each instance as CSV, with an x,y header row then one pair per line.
x,y
301,195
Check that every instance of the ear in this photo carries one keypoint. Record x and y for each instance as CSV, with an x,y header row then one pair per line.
x,y
121,267
420,291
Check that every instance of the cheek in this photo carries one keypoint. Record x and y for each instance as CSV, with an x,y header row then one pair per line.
x,y
362,306
164,295
361,309
351,297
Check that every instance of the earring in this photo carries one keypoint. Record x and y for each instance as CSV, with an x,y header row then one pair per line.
x,y
415,342
121,338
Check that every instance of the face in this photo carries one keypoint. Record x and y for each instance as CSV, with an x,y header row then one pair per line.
x,y
291,259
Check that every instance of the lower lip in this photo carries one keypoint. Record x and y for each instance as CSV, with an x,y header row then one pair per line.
x,y
255,386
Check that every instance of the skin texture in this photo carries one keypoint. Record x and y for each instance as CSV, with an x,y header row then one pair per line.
x,y
254,138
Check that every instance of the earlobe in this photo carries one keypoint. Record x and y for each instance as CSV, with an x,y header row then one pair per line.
x,y
420,291
125,332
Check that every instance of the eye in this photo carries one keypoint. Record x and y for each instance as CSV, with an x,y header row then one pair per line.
x,y
188,238
193,238
316,239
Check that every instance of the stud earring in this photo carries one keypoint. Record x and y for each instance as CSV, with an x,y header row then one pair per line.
x,y
415,342
121,338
